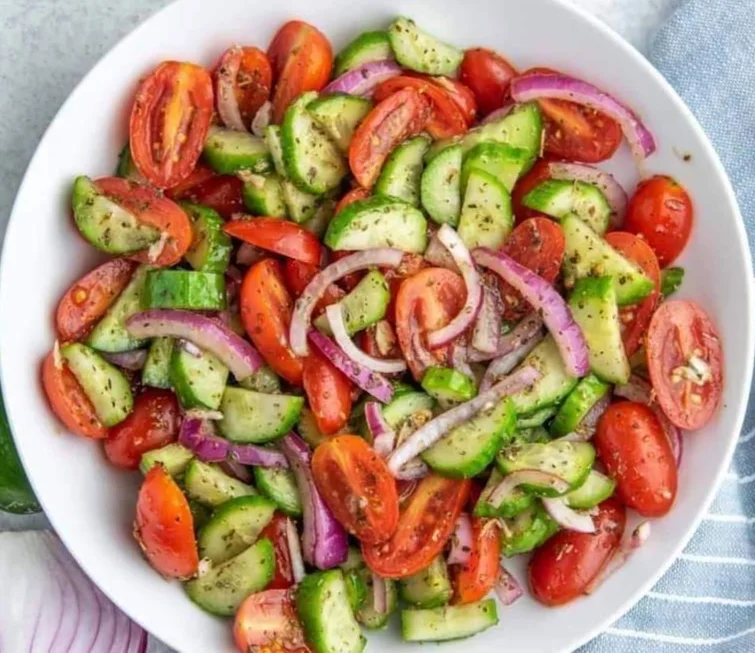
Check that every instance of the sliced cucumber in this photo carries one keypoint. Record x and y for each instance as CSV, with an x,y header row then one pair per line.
x,y
404,406
538,418
401,175
527,436
208,485
187,289
211,247
378,222
263,380
367,615
156,370
449,622
227,151
486,215
263,194
200,514
110,334
429,588
417,50
339,114
103,384
576,406
593,306
449,385
502,161
356,588
354,559
671,281
173,457
558,198
367,47
318,223
127,168
279,485
234,527
307,429
521,128
588,255
199,381
516,502
223,588
256,417
363,306
596,489
527,531
440,187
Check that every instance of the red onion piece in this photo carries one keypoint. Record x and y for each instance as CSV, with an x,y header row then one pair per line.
x,y
556,86
567,518
460,359
383,436
294,551
498,114
506,363
437,254
255,455
544,298
636,540
461,541
225,89
529,328
507,589
237,471
523,476
420,353
467,315
305,305
198,435
363,79
413,471
487,329
129,360
615,195
379,594
247,254
232,350
262,119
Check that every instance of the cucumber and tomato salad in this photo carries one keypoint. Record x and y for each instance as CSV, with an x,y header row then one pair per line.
x,y
363,329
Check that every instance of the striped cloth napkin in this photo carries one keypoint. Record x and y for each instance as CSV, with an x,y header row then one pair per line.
x,y
706,601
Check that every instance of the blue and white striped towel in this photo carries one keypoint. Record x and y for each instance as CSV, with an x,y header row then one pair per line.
x,y
706,601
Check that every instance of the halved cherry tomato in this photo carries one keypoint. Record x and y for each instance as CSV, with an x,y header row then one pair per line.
x,y
685,362
328,392
298,275
302,60
476,577
489,76
423,528
354,195
266,622
276,532
266,309
403,114
148,206
425,302
164,526
278,236
566,564
537,244
152,424
636,452
660,211
169,122
200,174
86,301
446,118
222,193
356,485
636,318
536,176
462,95
379,341
69,401
246,71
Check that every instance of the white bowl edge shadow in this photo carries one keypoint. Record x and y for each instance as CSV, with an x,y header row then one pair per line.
x,y
27,409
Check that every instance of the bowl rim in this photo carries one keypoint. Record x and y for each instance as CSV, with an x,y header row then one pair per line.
x,y
749,293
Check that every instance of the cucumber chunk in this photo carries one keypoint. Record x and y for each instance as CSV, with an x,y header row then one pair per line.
x,y
279,485
156,370
339,116
517,501
211,247
486,215
449,385
596,489
356,588
366,614
527,531
588,255
502,161
593,306
363,306
440,187
256,417
223,588
263,194
127,168
417,50
521,128
318,223
576,406
405,406
671,281
173,457
211,487
103,384
538,418
199,381
196,291
401,175
354,559
307,429
323,606
558,198
378,222
234,527
367,47
449,622
429,588
263,380
527,436
227,151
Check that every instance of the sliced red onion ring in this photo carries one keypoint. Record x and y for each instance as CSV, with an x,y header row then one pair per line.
x,y
379,594
636,540
556,86
198,435
437,254
615,195
305,305
460,359
507,589
249,254
237,471
363,79
228,104
385,337
383,436
461,541
129,360
428,434
262,119
466,316
233,351
413,471
544,298
487,329
420,353
257,456
569,519
533,476
529,328
294,551
506,363
498,114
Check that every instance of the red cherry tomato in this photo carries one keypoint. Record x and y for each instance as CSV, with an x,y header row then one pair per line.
x,y
298,275
354,195
246,72
278,236
660,212
489,76
276,532
164,526
685,361
222,193
169,122
379,341
567,563
328,393
475,578
266,622
462,95
197,176
536,176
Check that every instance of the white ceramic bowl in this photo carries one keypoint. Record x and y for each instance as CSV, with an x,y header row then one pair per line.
x,y
91,505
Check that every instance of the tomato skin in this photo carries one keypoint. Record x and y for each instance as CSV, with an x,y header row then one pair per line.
x,y
222,193
461,94
539,173
275,531
254,79
328,392
564,566
87,300
403,114
475,578
278,236
370,341
660,212
164,526
153,423
356,485
489,76
423,528
69,401
302,60
266,309
632,445
354,195
298,275
636,318
679,330
200,174
266,622
170,119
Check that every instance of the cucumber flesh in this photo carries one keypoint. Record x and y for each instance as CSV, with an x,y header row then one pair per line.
x,y
199,381
449,622
263,380
127,168
538,418
307,429
211,487
366,614
402,172
263,194
486,215
363,306
173,457
558,198
184,289
502,161
576,406
318,223
156,370
527,531
279,485
339,116
406,405
429,588
365,48
448,385
417,50
521,128
530,435
515,503
356,588
596,489
227,151
440,186
256,417
211,247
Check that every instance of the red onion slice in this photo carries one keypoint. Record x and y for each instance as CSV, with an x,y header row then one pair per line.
x,y
383,436
523,476
615,195
305,305
556,86
379,594
249,254
129,360
544,298
529,328
256,456
225,89
460,359
498,114
363,79
414,470
506,363
437,254
262,119
190,348
294,551
466,316
198,436
567,518
636,540
461,541
487,329
236,470
507,589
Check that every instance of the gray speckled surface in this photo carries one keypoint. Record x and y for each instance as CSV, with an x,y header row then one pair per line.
x,y
47,46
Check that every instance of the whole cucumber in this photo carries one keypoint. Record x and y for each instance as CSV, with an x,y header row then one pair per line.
x,y
16,494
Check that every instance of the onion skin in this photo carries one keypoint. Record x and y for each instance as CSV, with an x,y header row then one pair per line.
x,y
363,80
